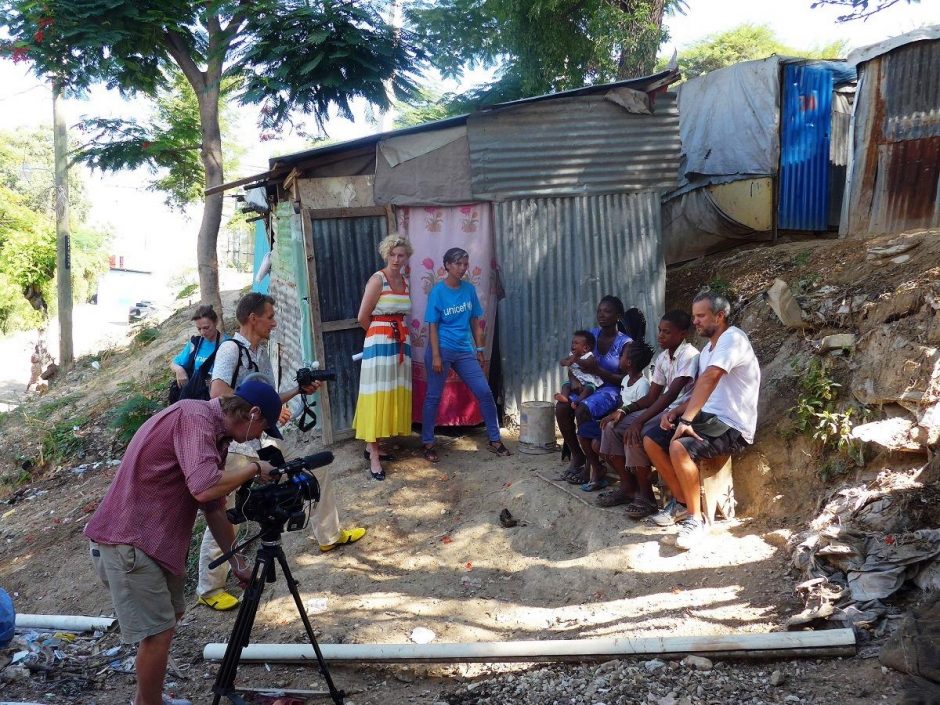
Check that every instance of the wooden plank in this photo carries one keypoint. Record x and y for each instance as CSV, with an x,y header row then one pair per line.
x,y
327,213
829,642
238,182
316,323
345,324
391,224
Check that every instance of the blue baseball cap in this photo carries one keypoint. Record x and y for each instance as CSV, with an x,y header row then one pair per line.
x,y
264,396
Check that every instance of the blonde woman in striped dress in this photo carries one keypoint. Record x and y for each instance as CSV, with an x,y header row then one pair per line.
x,y
384,405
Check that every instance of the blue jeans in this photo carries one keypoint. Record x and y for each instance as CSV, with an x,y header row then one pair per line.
x,y
467,367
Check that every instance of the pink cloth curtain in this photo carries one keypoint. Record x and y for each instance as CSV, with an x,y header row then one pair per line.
x,y
432,231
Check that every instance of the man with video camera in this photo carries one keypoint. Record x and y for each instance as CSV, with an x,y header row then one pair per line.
x,y
237,359
140,534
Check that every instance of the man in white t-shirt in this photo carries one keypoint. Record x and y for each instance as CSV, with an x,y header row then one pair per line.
x,y
719,417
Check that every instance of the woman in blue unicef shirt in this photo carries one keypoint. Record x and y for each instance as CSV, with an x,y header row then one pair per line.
x,y
456,331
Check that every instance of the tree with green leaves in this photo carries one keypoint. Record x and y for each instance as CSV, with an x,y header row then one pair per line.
x,y
745,42
288,57
27,233
540,46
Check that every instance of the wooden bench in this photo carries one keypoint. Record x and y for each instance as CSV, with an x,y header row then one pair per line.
x,y
717,487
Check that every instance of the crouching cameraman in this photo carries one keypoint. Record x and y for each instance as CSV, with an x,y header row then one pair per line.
x,y
140,533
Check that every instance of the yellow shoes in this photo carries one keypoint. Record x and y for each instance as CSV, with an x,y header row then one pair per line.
x,y
220,601
345,536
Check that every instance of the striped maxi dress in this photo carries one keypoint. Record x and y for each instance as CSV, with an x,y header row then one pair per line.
x,y
384,405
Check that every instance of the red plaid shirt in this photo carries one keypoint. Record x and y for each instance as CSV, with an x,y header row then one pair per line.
x,y
176,454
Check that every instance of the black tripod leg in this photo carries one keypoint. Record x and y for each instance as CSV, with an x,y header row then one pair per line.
x,y
336,695
241,632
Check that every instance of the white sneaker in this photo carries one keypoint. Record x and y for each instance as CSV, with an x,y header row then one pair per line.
x,y
691,533
671,514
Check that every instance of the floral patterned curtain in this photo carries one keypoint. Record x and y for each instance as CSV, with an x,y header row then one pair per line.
x,y
433,231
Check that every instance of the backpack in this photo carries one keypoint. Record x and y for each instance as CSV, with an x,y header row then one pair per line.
x,y
197,387
252,365
175,392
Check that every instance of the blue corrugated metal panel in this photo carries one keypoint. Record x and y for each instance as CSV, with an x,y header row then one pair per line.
x,y
804,148
573,146
346,251
558,257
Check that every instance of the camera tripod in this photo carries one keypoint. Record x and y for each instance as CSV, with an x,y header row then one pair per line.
x,y
264,571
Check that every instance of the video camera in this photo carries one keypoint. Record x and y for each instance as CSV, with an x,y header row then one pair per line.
x,y
305,377
280,505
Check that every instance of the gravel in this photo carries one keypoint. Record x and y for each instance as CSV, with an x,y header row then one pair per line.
x,y
693,681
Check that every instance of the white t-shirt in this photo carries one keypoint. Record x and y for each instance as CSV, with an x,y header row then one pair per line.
x,y
226,360
683,364
585,377
630,393
734,400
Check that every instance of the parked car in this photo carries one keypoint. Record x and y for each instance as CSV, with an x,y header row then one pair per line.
x,y
140,311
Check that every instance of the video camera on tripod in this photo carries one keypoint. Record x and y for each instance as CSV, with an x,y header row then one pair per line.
x,y
280,505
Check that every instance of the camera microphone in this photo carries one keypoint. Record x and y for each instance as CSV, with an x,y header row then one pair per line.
x,y
317,460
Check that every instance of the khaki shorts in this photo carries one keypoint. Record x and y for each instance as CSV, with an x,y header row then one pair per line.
x,y
146,596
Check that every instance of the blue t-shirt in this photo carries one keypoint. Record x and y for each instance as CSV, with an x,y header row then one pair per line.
x,y
611,361
452,310
206,348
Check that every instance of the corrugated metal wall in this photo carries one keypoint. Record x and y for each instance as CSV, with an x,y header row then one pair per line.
x,y
806,121
584,145
346,256
895,179
559,256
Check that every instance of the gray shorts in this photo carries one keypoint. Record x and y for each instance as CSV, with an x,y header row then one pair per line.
x,y
146,596
612,439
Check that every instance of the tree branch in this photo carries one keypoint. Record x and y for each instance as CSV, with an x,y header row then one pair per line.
x,y
177,49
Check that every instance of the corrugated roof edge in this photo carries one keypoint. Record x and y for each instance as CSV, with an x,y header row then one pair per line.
x,y
863,54
656,80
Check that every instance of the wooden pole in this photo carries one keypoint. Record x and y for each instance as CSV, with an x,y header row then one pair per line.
x,y
63,247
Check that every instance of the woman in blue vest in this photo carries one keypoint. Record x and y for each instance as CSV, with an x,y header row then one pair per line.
x,y
455,327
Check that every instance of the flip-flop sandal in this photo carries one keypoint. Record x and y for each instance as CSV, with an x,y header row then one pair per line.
x,y
430,454
501,450
569,471
579,478
640,509
594,486
611,498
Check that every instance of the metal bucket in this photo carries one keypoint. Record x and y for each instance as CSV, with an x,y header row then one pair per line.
x,y
537,428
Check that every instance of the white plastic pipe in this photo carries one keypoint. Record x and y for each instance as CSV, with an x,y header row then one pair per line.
x,y
65,622
831,641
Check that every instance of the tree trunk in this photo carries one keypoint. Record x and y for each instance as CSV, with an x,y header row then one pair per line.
x,y
641,40
211,154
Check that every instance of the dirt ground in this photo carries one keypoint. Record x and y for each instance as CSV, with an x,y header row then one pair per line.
x,y
435,555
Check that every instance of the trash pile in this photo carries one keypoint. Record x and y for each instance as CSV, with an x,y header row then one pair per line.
x,y
862,548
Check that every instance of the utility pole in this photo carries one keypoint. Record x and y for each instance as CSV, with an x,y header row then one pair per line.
x,y
63,257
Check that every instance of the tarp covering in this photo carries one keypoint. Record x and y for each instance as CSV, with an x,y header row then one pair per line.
x,y
438,177
694,225
718,141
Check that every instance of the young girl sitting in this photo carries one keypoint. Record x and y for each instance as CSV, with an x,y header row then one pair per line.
x,y
634,358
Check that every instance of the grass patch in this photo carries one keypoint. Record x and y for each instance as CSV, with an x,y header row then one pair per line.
x,y
722,287
187,291
146,335
130,414
61,441
802,258
45,409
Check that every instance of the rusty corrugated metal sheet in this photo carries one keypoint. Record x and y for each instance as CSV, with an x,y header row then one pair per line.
x,y
895,177
558,257
572,146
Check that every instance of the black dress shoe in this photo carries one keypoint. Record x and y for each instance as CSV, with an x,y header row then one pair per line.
x,y
383,457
